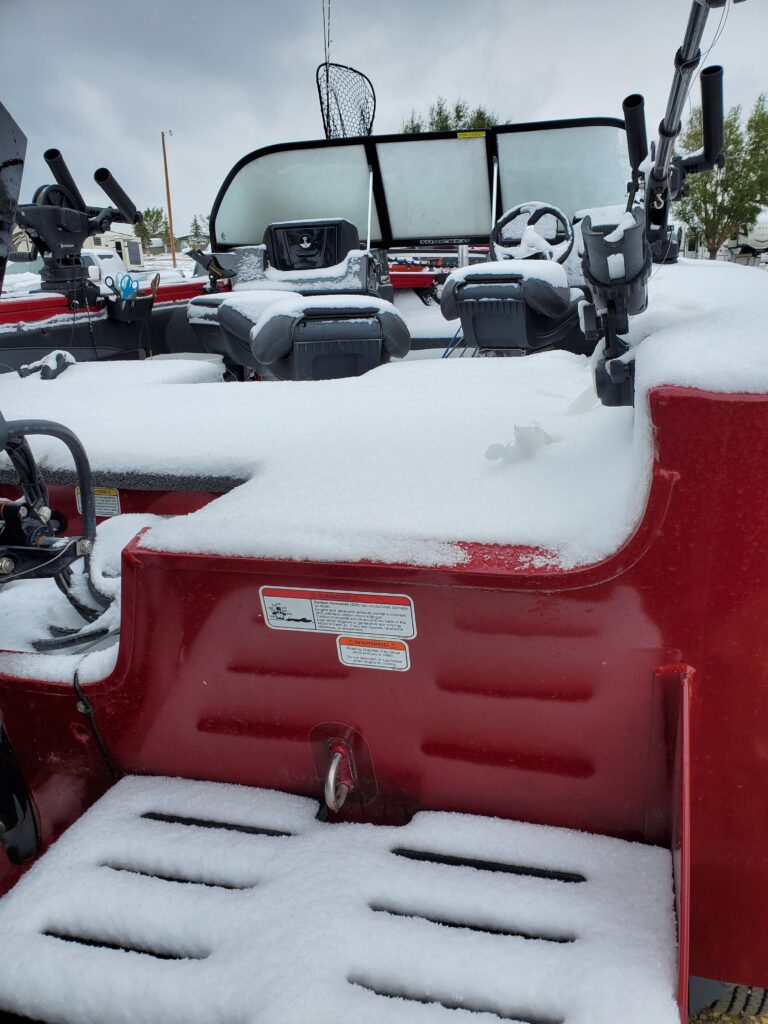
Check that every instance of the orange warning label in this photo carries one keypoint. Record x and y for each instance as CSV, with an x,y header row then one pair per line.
x,y
371,652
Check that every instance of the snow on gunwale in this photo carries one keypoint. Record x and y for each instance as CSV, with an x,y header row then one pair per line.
x,y
391,466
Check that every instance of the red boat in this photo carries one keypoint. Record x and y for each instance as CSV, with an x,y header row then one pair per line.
x,y
314,703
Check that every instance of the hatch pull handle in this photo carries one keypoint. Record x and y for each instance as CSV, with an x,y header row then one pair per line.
x,y
340,780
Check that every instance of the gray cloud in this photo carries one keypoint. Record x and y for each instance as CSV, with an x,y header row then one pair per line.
x,y
100,80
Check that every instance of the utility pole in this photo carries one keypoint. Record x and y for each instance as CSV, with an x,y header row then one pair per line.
x,y
168,198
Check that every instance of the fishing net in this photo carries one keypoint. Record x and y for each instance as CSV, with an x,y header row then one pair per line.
x,y
347,101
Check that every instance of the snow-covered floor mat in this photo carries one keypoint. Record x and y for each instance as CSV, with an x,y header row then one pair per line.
x,y
178,902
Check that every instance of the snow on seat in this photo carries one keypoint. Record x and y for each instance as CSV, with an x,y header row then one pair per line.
x,y
204,903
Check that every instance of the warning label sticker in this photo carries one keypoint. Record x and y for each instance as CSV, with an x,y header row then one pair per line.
x,y
339,611
107,501
371,652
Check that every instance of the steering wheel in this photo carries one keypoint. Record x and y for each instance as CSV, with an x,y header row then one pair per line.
x,y
530,243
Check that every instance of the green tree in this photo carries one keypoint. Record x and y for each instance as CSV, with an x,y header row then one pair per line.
x,y
196,234
443,116
728,200
151,226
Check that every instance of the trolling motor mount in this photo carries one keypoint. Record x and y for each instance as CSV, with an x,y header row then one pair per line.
x,y
58,222
30,545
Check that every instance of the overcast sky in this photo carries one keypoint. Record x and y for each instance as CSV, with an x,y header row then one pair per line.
x,y
99,79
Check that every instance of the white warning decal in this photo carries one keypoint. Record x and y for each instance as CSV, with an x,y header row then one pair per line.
x,y
373,652
107,500
339,611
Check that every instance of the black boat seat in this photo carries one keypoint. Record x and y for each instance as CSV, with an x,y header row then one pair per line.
x,y
516,306
204,308
223,321
326,337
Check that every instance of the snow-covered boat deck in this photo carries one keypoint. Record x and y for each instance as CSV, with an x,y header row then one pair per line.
x,y
201,903
406,462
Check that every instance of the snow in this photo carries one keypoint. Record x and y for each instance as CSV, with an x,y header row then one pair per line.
x,y
542,270
28,608
627,221
423,322
157,370
296,305
298,936
416,433
616,267
254,272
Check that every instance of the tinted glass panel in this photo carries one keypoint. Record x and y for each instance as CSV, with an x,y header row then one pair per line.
x,y
436,188
297,184
572,168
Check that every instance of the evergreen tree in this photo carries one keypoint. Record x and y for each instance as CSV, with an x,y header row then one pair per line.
x,y
151,225
196,236
445,117
721,204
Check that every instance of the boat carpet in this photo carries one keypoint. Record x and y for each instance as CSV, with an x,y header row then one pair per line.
x,y
204,903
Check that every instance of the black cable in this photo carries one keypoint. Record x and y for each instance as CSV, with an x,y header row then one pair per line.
x,y
85,707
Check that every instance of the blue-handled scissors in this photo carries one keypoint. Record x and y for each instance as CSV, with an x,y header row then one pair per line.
x,y
125,287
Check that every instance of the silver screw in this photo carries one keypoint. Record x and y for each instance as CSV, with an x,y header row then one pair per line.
x,y
7,566
81,707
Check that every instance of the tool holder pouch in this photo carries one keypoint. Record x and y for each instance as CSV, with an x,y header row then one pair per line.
x,y
128,310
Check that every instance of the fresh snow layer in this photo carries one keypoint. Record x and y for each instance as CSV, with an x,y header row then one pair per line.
x,y
29,607
283,930
542,270
391,466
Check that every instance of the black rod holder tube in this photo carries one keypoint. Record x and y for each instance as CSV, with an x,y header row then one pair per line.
x,y
712,112
637,138
128,211
62,174
686,62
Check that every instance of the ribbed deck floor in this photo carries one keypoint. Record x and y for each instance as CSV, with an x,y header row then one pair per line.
x,y
197,903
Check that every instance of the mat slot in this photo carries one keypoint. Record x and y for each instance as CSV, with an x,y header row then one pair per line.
x,y
125,947
487,865
177,819
489,929
392,992
128,869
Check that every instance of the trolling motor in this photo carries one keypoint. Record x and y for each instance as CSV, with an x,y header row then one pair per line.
x,y
30,543
58,222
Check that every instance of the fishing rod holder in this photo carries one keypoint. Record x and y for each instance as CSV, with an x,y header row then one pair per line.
x,y
616,266
665,179
58,222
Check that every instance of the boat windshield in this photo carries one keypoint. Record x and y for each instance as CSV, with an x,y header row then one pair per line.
x,y
426,188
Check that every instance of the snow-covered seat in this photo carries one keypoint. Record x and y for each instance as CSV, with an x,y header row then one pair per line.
x,y
516,305
204,903
324,337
